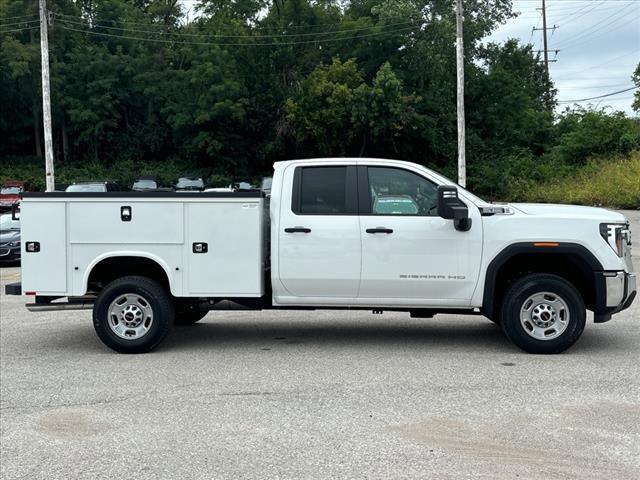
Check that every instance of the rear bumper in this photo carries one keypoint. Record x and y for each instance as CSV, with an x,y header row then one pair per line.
x,y
615,291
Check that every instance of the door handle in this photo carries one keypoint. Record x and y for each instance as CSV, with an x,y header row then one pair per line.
x,y
379,230
297,230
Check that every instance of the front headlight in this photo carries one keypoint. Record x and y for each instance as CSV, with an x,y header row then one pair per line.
x,y
13,244
617,235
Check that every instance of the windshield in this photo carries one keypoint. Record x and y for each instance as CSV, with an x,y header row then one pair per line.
x,y
87,187
145,184
190,183
7,223
10,190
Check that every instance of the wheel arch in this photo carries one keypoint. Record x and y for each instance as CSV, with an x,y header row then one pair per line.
x,y
572,261
112,265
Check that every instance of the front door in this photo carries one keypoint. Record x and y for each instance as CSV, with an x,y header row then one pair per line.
x,y
319,251
409,254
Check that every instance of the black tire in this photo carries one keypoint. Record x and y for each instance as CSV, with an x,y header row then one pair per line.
x,y
159,302
520,293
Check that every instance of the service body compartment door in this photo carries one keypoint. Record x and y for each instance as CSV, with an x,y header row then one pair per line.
x,y
224,248
44,271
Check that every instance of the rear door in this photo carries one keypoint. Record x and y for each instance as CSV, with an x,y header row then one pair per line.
x,y
319,252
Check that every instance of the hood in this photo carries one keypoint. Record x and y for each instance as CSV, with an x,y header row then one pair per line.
x,y
9,236
569,211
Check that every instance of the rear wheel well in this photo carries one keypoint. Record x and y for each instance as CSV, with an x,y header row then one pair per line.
x,y
112,268
570,266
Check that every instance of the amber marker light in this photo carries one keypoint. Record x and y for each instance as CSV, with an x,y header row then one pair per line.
x,y
546,244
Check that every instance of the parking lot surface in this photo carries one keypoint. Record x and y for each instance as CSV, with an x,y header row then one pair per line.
x,y
322,395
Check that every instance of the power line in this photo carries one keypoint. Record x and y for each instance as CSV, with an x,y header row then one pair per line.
x,y
252,37
598,97
258,27
576,44
591,67
597,26
594,7
248,44
34,27
19,16
18,23
615,85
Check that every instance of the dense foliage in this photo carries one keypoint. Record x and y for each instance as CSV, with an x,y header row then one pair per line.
x,y
143,86
612,182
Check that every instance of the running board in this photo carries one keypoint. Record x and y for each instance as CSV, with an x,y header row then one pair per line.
x,y
74,303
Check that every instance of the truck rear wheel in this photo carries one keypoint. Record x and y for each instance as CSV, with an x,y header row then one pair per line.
x,y
543,313
133,314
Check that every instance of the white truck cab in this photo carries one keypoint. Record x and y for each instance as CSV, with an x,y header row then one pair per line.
x,y
353,233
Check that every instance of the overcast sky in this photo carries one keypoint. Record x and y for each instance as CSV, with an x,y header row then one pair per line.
x,y
599,43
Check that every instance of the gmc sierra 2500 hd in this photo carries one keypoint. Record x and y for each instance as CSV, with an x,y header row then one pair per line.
x,y
338,233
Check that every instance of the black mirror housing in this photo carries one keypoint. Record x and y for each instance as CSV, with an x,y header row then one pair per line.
x,y
450,207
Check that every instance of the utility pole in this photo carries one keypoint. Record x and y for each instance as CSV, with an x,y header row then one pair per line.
x,y
544,38
462,163
545,46
46,97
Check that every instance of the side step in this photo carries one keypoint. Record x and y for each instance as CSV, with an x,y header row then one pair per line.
x,y
74,303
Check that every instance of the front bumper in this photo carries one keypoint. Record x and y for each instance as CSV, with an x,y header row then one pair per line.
x,y
615,291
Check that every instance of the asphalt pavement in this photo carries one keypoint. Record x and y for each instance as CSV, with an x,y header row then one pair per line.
x,y
327,394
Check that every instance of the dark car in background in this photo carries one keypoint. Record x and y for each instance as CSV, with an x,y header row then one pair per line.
x,y
98,186
9,239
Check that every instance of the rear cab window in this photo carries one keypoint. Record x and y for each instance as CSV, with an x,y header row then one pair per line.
x,y
324,190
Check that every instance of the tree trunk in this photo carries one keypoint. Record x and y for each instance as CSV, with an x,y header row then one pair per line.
x,y
65,140
364,144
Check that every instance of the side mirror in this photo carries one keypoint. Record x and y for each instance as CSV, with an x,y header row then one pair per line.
x,y
451,207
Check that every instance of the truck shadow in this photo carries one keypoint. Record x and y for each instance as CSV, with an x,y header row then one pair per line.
x,y
469,334
277,335
472,334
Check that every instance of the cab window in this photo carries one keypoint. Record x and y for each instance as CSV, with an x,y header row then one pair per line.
x,y
394,191
324,191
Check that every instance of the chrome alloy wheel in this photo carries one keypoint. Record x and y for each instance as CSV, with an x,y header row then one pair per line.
x,y
544,316
130,316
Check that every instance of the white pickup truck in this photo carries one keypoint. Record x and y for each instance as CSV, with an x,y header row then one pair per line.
x,y
343,233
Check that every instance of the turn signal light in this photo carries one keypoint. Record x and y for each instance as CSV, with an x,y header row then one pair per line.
x,y
546,244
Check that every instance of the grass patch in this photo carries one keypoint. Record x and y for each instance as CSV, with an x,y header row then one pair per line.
x,y
611,182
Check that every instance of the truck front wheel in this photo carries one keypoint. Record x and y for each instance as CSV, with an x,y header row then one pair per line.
x,y
543,313
133,314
